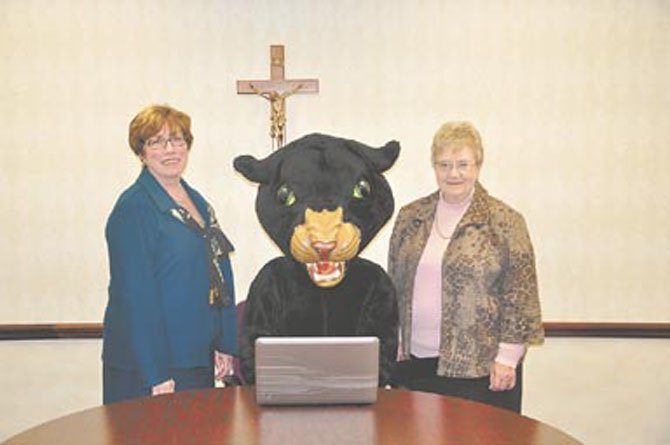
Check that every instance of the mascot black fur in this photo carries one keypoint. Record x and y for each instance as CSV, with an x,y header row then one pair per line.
x,y
321,199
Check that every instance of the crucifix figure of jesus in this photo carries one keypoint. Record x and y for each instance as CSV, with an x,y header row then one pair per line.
x,y
276,90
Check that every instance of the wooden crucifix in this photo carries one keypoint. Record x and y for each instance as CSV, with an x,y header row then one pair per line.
x,y
276,90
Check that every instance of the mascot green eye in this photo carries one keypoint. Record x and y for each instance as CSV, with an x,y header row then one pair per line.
x,y
362,189
285,195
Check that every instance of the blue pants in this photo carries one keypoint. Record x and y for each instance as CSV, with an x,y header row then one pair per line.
x,y
120,384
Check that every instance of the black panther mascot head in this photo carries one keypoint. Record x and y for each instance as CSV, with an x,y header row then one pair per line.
x,y
322,199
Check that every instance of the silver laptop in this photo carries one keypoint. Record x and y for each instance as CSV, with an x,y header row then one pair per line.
x,y
316,370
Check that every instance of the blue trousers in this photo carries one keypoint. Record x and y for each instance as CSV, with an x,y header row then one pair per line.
x,y
120,384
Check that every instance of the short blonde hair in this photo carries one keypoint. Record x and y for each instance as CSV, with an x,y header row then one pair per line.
x,y
457,136
151,120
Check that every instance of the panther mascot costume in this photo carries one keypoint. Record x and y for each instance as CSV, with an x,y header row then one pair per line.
x,y
321,199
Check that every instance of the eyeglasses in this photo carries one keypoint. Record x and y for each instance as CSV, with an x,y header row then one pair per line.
x,y
460,166
161,142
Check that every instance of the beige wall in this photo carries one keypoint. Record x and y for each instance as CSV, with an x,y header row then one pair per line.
x,y
571,98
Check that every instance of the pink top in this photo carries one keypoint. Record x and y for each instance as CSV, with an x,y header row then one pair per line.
x,y
427,298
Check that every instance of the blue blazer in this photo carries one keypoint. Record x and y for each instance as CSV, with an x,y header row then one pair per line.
x,y
158,314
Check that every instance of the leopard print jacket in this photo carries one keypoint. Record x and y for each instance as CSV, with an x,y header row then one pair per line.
x,y
489,284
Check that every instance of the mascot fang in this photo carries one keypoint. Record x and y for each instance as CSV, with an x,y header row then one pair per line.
x,y
321,199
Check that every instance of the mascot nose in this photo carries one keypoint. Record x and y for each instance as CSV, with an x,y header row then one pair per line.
x,y
323,226
324,249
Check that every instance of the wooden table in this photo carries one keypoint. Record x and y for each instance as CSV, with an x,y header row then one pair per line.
x,y
231,416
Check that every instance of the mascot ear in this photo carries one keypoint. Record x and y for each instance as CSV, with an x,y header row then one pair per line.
x,y
251,168
381,158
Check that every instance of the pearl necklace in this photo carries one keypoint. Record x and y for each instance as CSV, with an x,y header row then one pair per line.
x,y
436,223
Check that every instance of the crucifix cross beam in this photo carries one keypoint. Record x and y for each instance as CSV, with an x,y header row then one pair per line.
x,y
276,90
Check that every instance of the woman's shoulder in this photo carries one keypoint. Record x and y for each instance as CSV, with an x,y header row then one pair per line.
x,y
131,199
425,202
195,194
132,206
500,208
503,215
415,213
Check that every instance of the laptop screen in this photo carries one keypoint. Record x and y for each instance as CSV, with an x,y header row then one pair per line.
x,y
316,370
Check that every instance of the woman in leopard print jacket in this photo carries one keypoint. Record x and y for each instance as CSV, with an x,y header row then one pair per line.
x,y
463,265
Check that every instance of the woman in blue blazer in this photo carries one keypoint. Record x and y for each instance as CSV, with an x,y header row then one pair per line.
x,y
170,321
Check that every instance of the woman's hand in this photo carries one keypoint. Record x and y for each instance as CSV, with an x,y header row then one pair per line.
x,y
503,378
166,387
223,365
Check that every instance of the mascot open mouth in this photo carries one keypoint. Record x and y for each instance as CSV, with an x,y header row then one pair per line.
x,y
326,273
